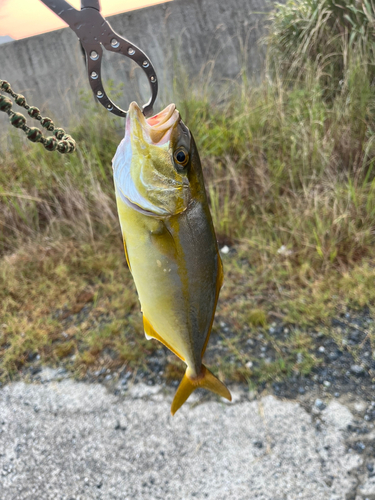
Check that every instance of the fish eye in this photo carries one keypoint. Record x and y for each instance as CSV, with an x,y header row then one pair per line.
x,y
181,156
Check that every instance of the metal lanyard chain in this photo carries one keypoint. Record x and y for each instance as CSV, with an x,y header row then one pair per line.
x,y
62,142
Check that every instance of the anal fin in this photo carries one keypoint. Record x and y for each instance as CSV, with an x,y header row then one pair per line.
x,y
150,333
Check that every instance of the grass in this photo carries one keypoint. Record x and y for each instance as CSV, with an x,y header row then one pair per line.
x,y
289,170
325,33
64,301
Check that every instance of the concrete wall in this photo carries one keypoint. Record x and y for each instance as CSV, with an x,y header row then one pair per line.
x,y
207,38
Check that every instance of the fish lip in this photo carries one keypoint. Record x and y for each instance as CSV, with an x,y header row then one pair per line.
x,y
158,128
161,118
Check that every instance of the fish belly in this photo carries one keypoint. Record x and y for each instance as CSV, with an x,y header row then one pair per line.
x,y
176,268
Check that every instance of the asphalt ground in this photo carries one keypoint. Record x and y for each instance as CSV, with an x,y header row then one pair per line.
x,y
66,440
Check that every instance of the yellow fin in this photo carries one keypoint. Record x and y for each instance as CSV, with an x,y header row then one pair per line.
x,y
151,333
221,273
126,255
219,284
207,380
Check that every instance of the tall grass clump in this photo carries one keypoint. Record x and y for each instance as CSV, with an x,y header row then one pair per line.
x,y
324,35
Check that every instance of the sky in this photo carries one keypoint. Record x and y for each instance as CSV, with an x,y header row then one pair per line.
x,y
23,18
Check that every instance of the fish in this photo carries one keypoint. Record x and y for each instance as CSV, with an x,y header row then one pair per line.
x,y
169,240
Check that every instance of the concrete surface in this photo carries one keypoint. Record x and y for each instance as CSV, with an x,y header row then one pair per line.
x,y
67,440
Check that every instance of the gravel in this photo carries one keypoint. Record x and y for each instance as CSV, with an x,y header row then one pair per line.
x,y
319,404
84,442
357,369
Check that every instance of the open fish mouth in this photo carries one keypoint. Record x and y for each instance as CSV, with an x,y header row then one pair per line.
x,y
158,128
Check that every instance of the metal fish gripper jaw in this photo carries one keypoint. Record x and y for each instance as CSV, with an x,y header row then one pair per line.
x,y
95,33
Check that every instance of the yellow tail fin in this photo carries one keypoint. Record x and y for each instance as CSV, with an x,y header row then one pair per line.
x,y
188,385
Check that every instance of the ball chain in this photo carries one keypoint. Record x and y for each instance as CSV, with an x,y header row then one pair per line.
x,y
61,142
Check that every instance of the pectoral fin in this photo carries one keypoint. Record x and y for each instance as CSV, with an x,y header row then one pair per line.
x,y
163,241
207,380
